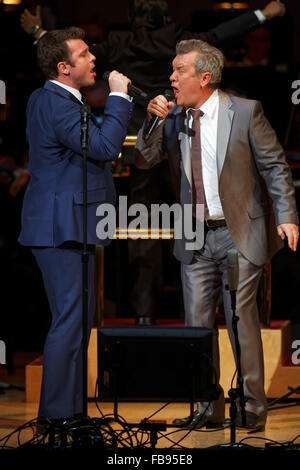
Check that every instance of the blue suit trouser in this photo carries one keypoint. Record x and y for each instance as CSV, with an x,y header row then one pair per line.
x,y
61,392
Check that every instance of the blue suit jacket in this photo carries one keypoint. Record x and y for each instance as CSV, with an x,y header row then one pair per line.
x,y
52,207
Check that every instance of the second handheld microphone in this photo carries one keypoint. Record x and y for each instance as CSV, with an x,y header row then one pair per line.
x,y
153,123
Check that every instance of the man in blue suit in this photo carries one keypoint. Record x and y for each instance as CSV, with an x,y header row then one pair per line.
x,y
53,203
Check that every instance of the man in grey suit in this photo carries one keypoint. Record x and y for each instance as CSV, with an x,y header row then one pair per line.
x,y
225,157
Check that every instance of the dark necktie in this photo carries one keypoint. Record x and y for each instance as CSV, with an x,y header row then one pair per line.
x,y
196,159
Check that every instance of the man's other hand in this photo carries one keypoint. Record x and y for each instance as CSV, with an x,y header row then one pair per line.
x,y
28,20
274,9
291,231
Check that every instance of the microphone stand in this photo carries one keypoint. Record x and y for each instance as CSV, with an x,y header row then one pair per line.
x,y
84,137
238,392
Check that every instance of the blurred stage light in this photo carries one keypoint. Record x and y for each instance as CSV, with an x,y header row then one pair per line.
x,y
11,2
220,5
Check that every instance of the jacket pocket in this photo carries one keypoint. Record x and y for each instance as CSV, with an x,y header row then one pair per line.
x,y
258,211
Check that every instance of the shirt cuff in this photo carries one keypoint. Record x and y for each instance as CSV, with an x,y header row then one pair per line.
x,y
260,16
41,35
123,95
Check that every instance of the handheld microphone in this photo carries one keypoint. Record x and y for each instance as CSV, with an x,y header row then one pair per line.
x,y
153,123
232,270
85,113
132,90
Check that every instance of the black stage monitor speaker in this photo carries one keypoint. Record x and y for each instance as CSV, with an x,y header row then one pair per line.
x,y
158,363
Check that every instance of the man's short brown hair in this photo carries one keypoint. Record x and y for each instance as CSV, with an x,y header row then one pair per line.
x,y
52,49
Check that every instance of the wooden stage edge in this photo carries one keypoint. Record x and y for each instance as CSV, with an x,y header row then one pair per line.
x,y
280,373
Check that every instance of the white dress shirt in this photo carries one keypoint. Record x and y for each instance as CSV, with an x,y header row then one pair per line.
x,y
72,90
78,95
208,131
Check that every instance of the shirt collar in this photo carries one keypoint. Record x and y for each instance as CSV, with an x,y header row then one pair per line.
x,y
70,89
210,105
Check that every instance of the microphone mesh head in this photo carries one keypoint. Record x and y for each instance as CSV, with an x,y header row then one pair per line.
x,y
168,94
106,75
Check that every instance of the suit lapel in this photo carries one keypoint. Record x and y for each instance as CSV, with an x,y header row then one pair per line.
x,y
224,128
63,93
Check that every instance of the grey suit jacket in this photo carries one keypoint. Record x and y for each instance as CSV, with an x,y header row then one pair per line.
x,y
255,184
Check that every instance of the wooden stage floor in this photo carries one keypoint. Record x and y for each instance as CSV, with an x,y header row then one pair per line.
x,y
282,425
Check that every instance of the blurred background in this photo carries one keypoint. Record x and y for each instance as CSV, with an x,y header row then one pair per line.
x,y
262,65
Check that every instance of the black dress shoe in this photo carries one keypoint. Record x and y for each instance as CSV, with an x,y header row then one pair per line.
x,y
253,422
199,421
144,321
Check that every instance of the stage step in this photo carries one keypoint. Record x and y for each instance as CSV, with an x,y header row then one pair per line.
x,y
280,373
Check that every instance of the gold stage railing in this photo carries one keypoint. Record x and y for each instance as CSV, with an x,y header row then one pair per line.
x,y
145,234
130,141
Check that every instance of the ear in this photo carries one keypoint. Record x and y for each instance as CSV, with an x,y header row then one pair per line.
x,y
205,78
63,68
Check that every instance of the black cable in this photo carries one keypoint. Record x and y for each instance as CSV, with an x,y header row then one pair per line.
x,y
18,429
262,439
96,401
221,428
295,438
110,416
155,413
231,385
171,440
126,437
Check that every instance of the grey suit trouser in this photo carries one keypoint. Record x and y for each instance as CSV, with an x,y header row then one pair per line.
x,y
203,281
